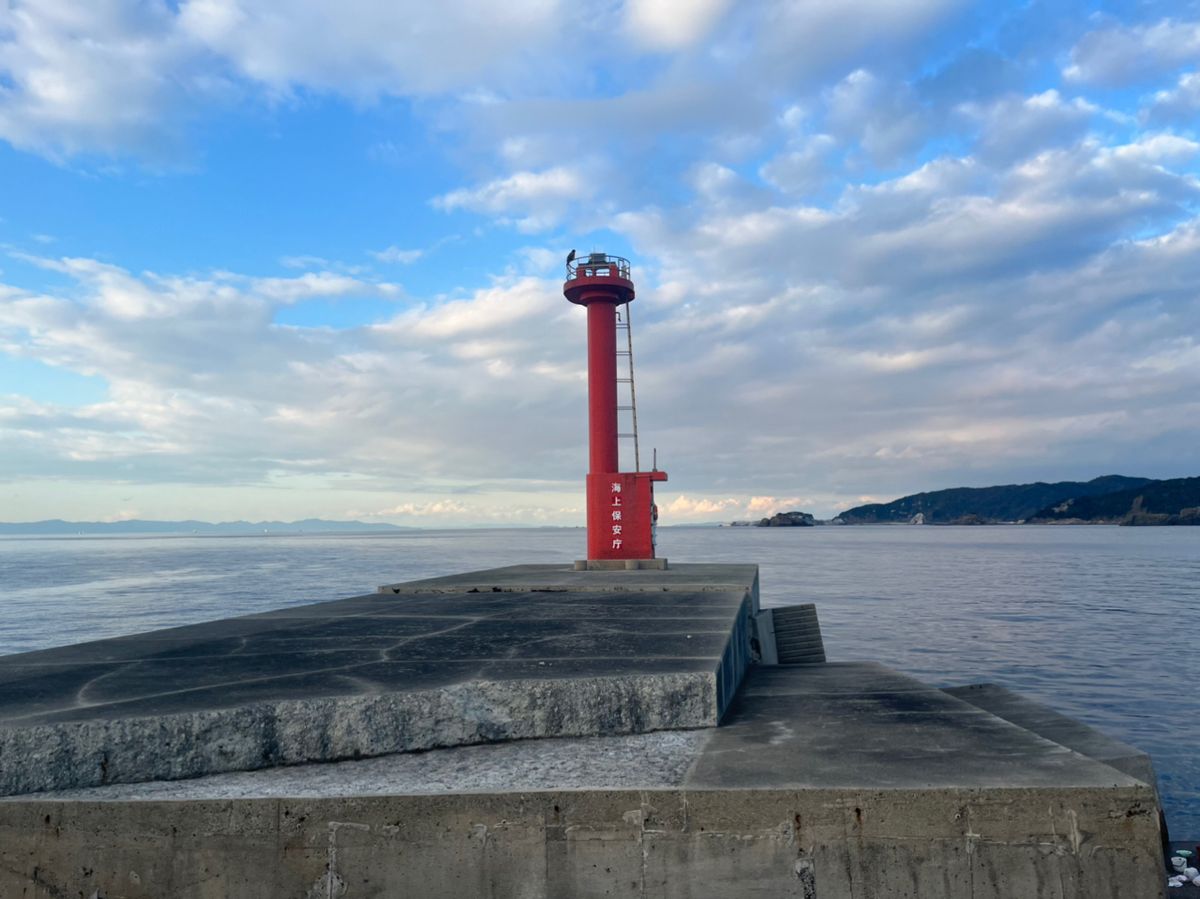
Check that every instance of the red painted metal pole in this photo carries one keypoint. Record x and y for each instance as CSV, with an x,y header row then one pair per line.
x,y
602,387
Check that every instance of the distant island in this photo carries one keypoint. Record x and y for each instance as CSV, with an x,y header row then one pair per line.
x,y
58,527
781,520
1112,499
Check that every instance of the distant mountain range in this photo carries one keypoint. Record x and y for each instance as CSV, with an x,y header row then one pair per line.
x,y
984,505
1176,501
1113,499
201,528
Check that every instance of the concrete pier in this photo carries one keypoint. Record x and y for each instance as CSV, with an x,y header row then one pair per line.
x,y
837,780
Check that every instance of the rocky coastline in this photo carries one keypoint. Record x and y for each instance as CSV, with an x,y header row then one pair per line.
x,y
1108,500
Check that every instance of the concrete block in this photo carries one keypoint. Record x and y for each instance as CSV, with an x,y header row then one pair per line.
x,y
478,658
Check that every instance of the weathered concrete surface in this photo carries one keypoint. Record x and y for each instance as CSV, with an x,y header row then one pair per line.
x,y
564,579
288,732
1062,729
838,781
637,761
837,725
817,844
861,724
378,674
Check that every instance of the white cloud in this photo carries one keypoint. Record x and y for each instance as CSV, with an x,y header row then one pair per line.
x,y
802,169
885,118
442,508
1178,104
831,32
539,199
304,262
99,76
684,506
765,506
396,255
1120,55
450,512
123,515
1014,127
713,179
489,311
203,387
364,48
116,76
1154,150
316,284
910,319
671,24
714,100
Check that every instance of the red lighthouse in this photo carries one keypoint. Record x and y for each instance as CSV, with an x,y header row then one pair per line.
x,y
621,514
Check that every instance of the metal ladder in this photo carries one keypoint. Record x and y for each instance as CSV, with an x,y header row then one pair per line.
x,y
626,324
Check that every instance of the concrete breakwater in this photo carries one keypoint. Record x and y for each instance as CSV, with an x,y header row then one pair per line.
x,y
657,758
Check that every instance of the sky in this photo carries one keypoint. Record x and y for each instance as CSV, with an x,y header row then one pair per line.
x,y
265,260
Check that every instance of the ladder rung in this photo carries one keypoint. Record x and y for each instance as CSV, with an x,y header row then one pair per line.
x,y
624,380
624,353
624,408
627,435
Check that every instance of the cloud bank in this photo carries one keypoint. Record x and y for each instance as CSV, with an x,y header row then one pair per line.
x,y
930,249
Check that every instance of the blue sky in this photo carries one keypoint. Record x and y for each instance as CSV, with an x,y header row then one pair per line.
x,y
287,260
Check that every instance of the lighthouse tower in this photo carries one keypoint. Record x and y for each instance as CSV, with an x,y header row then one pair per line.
x,y
621,514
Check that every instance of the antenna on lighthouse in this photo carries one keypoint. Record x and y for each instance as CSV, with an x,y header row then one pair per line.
x,y
621,515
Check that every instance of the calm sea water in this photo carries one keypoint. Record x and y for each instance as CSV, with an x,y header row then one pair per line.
x,y
1098,622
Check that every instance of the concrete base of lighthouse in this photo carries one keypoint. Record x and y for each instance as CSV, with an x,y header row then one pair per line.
x,y
621,565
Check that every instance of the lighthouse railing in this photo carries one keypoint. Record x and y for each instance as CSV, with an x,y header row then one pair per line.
x,y
598,265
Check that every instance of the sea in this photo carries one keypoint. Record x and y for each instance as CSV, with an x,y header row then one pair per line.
x,y
1097,622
